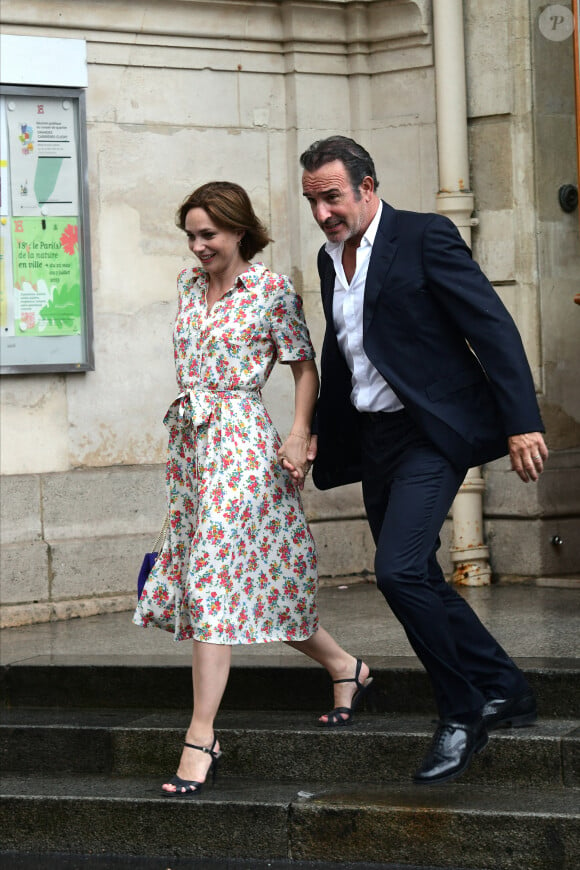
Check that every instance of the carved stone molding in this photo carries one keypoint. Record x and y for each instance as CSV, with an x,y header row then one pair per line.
x,y
316,36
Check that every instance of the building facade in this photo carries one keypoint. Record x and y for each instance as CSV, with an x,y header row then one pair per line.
x,y
180,92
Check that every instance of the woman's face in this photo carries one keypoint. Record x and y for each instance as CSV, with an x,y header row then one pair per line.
x,y
216,248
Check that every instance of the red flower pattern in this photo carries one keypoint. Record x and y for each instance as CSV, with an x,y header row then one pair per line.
x,y
239,563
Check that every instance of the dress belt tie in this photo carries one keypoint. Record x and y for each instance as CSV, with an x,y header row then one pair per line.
x,y
195,407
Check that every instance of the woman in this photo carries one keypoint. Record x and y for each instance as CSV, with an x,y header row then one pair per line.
x,y
239,562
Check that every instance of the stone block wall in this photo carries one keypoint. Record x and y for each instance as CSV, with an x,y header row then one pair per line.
x,y
532,530
187,90
72,542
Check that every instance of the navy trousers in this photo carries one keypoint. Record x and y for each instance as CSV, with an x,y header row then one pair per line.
x,y
408,489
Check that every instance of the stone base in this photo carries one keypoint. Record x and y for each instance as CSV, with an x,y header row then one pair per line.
x,y
558,582
12,616
72,542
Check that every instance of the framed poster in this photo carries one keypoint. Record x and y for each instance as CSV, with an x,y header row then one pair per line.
x,y
45,275
577,82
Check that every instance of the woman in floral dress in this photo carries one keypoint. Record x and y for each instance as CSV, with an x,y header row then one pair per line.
x,y
239,563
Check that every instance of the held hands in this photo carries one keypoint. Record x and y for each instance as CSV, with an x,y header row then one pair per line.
x,y
297,454
527,454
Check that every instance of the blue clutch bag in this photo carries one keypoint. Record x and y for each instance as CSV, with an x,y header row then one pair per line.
x,y
150,558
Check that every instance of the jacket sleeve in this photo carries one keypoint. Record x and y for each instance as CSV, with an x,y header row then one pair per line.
x,y
469,300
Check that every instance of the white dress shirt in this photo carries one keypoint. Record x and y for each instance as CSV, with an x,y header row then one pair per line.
x,y
370,391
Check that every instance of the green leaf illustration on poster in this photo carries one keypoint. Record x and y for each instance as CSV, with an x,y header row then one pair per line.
x,y
64,307
47,285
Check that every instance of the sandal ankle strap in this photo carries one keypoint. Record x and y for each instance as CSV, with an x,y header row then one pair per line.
x,y
208,750
354,679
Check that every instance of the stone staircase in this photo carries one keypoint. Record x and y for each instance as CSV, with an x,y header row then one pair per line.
x,y
84,749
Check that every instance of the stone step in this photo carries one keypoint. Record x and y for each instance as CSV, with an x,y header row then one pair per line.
x,y
284,747
454,825
61,861
74,734
401,684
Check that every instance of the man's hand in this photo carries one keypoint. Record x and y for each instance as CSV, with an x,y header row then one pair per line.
x,y
527,454
312,451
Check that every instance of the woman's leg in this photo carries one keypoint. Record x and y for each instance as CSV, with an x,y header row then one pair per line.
x,y
210,671
323,648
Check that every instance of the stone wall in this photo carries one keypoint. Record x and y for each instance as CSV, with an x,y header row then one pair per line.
x,y
522,147
184,91
72,542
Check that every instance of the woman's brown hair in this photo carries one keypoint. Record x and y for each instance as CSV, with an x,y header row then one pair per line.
x,y
229,207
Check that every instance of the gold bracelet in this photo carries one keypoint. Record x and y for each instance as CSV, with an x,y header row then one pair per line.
x,y
296,435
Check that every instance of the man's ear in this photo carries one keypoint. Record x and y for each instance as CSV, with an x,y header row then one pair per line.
x,y
367,187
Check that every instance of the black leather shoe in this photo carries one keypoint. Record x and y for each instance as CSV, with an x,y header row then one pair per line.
x,y
515,712
450,753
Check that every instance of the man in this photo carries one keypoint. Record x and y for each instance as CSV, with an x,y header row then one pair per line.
x,y
423,375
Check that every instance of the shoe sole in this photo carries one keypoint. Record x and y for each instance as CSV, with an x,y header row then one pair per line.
x,y
456,773
522,721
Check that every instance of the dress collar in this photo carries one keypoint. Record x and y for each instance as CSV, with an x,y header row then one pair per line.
x,y
255,270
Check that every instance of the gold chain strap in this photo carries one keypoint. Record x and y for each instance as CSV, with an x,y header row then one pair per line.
x,y
160,540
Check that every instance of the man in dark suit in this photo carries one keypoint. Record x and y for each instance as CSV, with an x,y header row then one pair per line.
x,y
423,375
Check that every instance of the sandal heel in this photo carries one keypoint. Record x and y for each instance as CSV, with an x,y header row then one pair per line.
x,y
369,701
214,767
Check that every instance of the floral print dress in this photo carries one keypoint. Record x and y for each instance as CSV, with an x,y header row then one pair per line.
x,y
239,562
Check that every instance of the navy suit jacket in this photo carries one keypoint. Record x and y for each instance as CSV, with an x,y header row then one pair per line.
x,y
437,331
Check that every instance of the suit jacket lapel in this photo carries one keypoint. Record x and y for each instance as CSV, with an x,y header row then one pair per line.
x,y
327,286
384,249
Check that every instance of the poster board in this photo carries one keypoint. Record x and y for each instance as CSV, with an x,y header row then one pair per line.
x,y
45,275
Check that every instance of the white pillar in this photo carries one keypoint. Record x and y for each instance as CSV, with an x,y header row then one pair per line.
x,y
469,554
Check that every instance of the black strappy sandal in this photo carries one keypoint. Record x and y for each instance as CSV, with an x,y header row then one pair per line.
x,y
343,715
186,788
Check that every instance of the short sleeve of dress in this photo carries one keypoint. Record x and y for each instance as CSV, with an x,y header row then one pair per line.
x,y
185,280
288,325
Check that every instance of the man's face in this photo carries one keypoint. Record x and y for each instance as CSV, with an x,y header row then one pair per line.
x,y
341,213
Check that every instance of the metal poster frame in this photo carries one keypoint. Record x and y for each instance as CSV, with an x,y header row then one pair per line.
x,y
577,83
55,334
